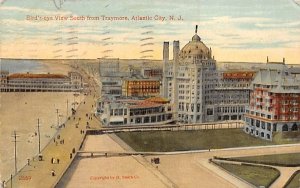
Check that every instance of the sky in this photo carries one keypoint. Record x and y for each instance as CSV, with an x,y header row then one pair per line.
x,y
236,30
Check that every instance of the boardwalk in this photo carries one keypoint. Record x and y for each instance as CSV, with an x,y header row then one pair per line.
x,y
59,153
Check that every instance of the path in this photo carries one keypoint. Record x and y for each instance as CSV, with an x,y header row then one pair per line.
x,y
188,170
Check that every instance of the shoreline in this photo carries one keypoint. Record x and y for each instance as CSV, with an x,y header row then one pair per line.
x,y
25,124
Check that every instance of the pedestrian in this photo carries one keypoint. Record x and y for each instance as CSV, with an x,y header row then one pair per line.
x,y
52,160
54,140
56,143
28,162
57,161
52,172
73,150
70,155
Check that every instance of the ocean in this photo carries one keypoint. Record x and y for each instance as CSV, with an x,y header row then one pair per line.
x,y
16,65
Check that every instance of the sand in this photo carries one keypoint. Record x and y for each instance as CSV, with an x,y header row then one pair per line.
x,y
20,111
111,171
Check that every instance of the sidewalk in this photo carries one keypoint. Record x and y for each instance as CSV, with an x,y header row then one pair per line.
x,y
59,150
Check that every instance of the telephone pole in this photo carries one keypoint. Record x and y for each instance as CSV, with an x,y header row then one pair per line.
x,y
15,141
57,117
67,108
39,134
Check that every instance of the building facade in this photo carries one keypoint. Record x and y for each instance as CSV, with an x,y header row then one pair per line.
x,y
232,94
133,112
198,90
148,72
27,82
274,102
140,87
111,77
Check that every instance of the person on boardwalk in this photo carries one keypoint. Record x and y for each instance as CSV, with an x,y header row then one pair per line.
x,y
52,172
52,160
70,155
57,161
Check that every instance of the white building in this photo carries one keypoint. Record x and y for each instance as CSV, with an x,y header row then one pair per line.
x,y
134,112
191,81
28,82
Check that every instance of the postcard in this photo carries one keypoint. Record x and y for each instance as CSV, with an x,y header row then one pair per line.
x,y
106,93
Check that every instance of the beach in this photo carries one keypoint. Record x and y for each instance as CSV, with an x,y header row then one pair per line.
x,y
20,112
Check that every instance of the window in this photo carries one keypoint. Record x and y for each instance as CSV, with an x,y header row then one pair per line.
x,y
210,111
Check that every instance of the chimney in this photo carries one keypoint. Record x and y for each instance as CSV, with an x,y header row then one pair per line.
x,y
166,52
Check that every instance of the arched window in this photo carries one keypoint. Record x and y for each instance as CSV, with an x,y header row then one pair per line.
x,y
294,127
285,127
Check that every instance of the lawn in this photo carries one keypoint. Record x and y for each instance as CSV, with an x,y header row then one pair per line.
x,y
295,182
190,140
290,159
258,176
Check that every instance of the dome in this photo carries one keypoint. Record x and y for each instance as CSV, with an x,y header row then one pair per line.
x,y
196,38
195,48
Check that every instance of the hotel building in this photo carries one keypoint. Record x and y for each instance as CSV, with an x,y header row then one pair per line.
x,y
28,82
152,111
274,102
199,92
140,87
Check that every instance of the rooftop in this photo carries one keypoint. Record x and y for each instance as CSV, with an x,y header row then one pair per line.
x,y
29,75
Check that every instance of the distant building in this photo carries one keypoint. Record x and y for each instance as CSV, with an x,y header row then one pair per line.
x,y
111,86
109,67
140,87
274,102
28,82
152,111
232,94
111,77
149,72
199,91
